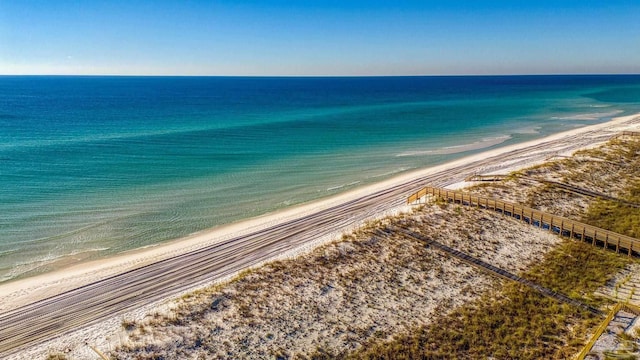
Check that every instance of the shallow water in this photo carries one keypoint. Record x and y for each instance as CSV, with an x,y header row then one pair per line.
x,y
93,166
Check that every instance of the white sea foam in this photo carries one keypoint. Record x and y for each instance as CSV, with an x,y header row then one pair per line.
x,y
528,130
589,116
26,266
483,143
343,186
396,171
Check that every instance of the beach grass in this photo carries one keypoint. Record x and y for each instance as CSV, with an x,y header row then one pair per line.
x,y
363,286
515,322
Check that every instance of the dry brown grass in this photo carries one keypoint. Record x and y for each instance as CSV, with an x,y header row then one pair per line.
x,y
360,288
57,356
515,322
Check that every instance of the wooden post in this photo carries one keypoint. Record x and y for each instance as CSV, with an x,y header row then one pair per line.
x,y
583,231
630,247
595,236
571,234
618,246
562,228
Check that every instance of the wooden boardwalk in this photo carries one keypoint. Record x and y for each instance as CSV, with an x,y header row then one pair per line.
x,y
603,326
488,178
562,186
627,135
557,224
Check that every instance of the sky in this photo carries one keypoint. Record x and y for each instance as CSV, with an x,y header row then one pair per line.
x,y
319,38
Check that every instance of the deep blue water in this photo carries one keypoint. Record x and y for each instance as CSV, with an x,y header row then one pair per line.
x,y
113,163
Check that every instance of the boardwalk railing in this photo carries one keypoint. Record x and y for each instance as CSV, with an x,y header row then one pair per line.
x,y
562,186
490,178
626,135
557,224
596,335
603,326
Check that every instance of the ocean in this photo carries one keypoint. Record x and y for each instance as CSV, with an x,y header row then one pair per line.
x,y
92,166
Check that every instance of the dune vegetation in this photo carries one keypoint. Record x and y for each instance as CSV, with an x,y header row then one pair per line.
x,y
364,286
375,296
515,322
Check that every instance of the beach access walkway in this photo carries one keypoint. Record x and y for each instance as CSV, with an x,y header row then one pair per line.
x,y
560,225
562,186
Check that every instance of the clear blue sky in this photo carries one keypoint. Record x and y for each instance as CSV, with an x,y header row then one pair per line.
x,y
298,37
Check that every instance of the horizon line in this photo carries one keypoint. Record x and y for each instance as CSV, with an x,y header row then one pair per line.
x,y
325,76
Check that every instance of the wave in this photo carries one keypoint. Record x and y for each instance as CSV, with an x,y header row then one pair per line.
x,y
393,172
282,117
477,145
25,267
333,188
589,116
528,130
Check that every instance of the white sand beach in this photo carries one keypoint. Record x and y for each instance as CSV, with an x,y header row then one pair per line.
x,y
500,160
20,292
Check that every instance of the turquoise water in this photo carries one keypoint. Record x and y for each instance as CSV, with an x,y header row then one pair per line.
x,y
93,166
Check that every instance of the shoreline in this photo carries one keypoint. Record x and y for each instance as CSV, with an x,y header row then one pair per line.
x,y
28,290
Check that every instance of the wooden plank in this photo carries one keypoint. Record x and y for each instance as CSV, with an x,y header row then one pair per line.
x,y
572,230
596,335
585,230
